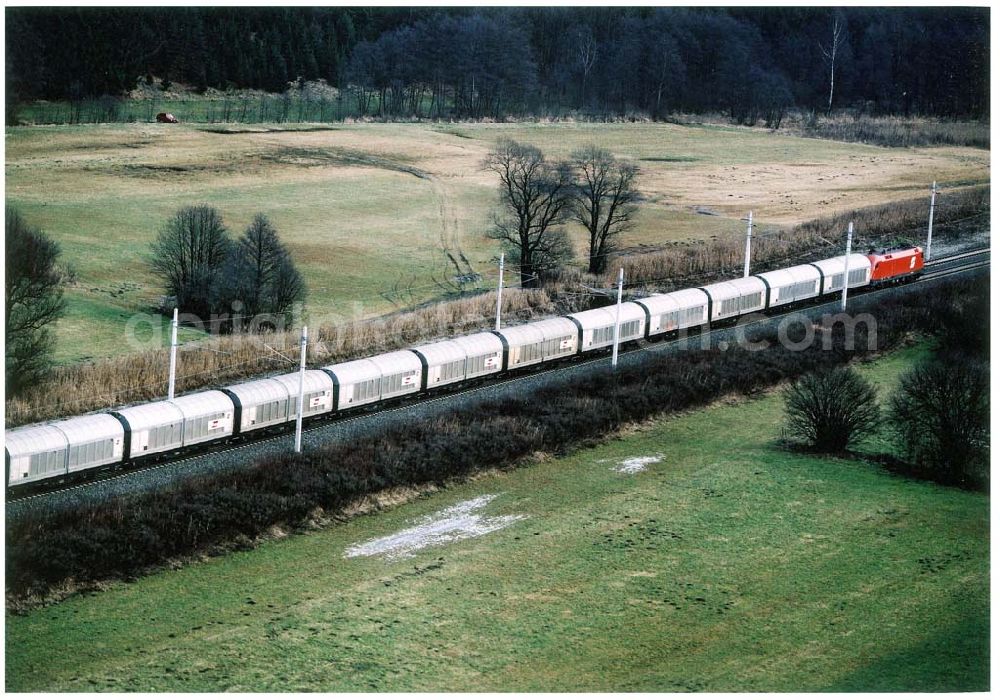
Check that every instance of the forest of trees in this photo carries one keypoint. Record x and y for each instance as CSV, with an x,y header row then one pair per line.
x,y
471,63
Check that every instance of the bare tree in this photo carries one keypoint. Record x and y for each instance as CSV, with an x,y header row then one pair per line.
x,y
289,288
832,408
34,301
585,55
837,39
190,253
534,199
941,416
664,70
263,277
604,200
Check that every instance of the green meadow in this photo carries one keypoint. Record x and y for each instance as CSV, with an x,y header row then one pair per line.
x,y
728,565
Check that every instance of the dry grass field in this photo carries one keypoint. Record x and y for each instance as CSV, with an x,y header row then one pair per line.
x,y
369,207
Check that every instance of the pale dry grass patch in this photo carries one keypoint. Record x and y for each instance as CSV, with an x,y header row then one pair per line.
x,y
900,131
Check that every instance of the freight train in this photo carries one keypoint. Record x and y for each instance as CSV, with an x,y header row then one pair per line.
x,y
126,436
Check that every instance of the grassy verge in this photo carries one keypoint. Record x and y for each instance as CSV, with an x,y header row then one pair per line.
x,y
730,565
142,375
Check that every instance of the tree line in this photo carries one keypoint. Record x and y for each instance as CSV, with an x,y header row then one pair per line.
x,y
753,63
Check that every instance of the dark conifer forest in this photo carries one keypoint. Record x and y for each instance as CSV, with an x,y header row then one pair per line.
x,y
751,63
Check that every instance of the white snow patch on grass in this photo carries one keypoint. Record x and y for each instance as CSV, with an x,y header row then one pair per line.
x,y
459,522
634,465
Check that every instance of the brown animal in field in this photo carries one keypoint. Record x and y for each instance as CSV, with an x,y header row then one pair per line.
x,y
166,118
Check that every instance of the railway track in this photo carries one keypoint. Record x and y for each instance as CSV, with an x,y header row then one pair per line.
x,y
953,264
935,269
979,252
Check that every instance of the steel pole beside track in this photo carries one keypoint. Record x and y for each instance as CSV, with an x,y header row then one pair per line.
x,y
847,265
499,291
930,222
746,259
618,318
302,389
173,358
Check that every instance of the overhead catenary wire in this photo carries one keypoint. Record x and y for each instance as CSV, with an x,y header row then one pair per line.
x,y
467,319
734,236
112,396
942,205
481,288
133,390
804,255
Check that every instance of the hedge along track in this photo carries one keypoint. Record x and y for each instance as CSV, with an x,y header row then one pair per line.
x,y
953,265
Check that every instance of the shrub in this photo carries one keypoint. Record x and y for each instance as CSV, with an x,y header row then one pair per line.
x,y
897,131
940,415
831,409
189,254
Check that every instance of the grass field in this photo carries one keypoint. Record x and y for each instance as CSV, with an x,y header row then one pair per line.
x,y
367,207
728,565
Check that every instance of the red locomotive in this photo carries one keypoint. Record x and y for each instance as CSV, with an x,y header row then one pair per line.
x,y
896,266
